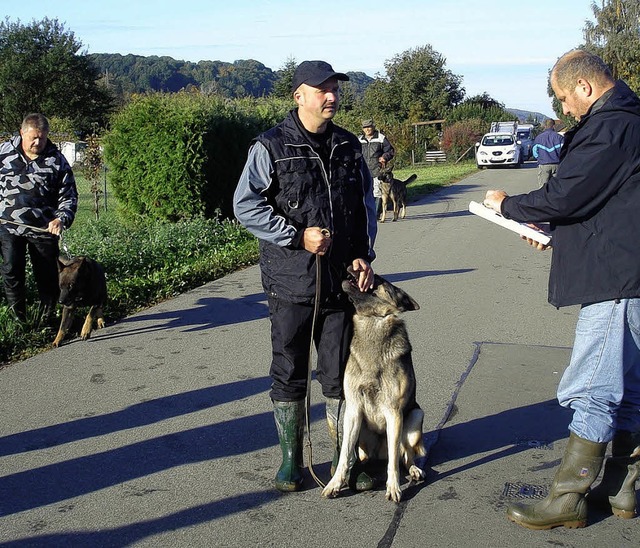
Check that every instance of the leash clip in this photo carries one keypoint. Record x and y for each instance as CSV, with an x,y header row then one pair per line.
x,y
64,246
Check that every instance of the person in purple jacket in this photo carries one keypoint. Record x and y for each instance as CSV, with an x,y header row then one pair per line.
x,y
546,149
592,203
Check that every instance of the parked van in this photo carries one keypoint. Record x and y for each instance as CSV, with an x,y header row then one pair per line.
x,y
498,149
524,134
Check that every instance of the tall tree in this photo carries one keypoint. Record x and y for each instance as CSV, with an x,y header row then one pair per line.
x,y
284,81
417,87
615,36
43,70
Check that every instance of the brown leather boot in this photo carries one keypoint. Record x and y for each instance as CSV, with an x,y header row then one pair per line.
x,y
565,504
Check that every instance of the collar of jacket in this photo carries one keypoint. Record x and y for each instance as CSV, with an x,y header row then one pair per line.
x,y
619,97
294,131
374,135
49,149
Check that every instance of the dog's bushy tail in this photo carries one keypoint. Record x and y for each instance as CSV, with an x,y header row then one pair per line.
x,y
410,179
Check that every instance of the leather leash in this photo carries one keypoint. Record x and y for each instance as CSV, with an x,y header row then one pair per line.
x,y
38,229
316,310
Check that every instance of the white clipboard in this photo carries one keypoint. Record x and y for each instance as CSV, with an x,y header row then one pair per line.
x,y
520,228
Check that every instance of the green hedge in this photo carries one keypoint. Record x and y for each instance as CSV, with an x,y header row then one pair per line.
x,y
179,156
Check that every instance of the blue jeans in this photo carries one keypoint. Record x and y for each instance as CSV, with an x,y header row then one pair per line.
x,y
602,382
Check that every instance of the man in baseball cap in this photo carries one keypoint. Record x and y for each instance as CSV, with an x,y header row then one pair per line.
x,y
314,73
306,190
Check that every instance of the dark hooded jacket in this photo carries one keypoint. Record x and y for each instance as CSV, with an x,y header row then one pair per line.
x,y
593,203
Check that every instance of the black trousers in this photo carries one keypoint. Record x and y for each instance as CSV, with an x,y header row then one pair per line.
x,y
290,340
43,253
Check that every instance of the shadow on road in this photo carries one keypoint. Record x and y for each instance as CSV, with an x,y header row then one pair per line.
x,y
207,313
78,476
501,435
129,534
134,416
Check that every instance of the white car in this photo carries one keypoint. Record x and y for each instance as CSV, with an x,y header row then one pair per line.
x,y
498,149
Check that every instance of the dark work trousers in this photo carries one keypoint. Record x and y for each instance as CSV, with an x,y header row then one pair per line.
x,y
290,340
43,253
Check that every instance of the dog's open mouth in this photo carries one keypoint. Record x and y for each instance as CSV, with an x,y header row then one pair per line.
x,y
352,282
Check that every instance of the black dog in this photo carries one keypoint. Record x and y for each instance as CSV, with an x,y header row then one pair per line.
x,y
82,283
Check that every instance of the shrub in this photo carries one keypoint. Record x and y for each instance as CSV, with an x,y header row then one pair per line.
x,y
179,156
460,137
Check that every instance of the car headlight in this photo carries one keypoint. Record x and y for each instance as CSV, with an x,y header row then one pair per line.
x,y
482,153
511,153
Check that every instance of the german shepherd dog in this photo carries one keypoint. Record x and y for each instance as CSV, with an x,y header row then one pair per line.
x,y
380,389
395,190
82,283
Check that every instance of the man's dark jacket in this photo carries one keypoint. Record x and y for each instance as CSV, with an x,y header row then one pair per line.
x,y
378,146
593,203
276,203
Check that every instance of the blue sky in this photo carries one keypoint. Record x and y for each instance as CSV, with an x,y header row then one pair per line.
x,y
502,47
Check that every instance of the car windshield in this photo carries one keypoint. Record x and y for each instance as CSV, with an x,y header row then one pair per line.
x,y
523,134
497,140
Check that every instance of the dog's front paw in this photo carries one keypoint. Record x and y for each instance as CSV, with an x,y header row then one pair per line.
x,y
332,489
416,473
393,492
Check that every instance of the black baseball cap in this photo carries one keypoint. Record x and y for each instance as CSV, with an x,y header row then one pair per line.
x,y
313,73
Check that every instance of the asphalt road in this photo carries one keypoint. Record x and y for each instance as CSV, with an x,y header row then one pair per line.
x,y
159,431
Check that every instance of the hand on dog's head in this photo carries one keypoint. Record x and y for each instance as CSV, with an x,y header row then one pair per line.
x,y
381,300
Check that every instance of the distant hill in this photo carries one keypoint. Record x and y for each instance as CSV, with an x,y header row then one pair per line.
x,y
524,115
126,74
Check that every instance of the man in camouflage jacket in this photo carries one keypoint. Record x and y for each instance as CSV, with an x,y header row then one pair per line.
x,y
38,199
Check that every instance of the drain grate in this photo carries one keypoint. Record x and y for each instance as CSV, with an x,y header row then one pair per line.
x,y
519,490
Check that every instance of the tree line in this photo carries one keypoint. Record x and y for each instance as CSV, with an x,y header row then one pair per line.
x,y
43,68
124,75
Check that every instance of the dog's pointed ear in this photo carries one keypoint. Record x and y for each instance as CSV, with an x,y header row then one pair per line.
x,y
62,264
407,303
404,301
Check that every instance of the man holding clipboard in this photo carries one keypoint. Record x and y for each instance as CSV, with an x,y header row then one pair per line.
x,y
593,205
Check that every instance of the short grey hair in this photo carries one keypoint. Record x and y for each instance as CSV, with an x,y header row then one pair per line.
x,y
579,63
36,121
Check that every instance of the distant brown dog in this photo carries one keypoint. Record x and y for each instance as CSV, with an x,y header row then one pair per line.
x,y
382,419
395,190
82,283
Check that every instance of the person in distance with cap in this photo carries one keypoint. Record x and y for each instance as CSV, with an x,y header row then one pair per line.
x,y
378,152
306,194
